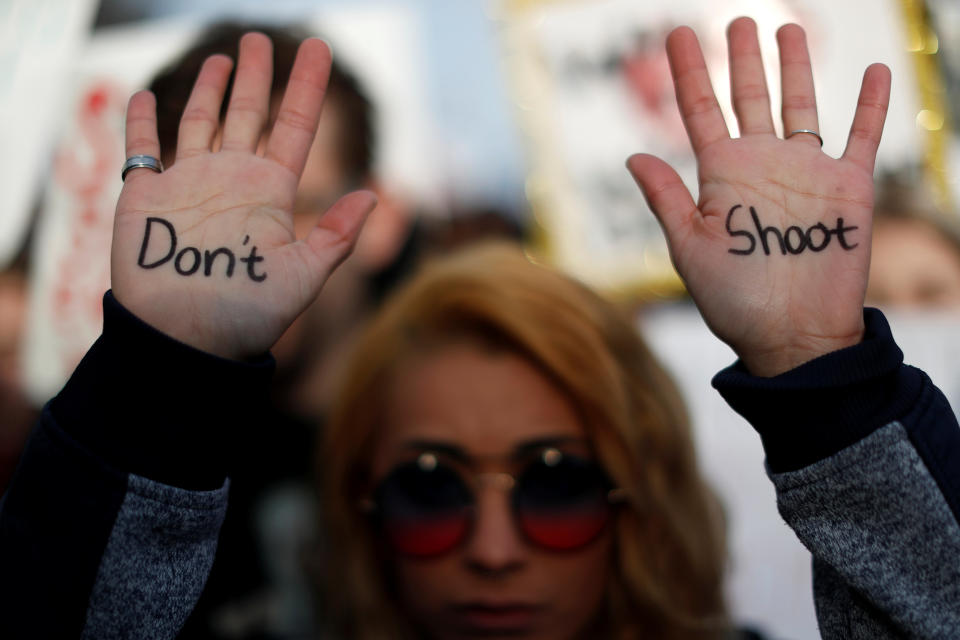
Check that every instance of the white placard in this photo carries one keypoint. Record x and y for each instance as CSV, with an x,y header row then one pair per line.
x,y
38,41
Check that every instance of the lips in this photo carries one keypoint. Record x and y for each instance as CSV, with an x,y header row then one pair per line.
x,y
492,618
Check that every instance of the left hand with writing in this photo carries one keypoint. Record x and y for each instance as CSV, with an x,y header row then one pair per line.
x,y
205,251
777,250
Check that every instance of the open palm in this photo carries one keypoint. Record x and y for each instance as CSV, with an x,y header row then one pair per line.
x,y
776,252
205,251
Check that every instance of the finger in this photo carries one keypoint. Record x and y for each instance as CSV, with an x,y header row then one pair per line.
x,y
799,109
141,131
665,192
201,116
331,241
869,117
748,84
299,113
698,104
250,98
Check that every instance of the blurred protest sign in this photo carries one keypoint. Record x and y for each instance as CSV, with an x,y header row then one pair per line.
x,y
592,85
40,38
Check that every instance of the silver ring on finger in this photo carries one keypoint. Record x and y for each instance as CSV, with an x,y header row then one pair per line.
x,y
141,162
810,131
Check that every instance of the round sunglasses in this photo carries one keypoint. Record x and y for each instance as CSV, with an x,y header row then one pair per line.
x,y
425,507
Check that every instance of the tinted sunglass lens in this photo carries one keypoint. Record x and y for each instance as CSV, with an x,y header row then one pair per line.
x,y
423,508
562,501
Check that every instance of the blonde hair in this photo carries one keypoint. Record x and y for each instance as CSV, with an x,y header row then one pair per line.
x,y
669,544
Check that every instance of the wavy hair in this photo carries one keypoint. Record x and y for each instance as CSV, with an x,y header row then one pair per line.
x,y
669,544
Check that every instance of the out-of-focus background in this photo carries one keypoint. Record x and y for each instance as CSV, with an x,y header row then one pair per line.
x,y
517,114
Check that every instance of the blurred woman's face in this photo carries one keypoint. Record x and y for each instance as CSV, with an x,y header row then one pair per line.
x,y
486,417
913,265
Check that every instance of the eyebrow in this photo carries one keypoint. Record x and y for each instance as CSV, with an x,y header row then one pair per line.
x,y
520,451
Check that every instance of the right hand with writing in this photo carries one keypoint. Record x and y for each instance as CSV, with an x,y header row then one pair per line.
x,y
205,251
777,250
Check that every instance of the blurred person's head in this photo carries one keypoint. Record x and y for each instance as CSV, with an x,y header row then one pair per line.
x,y
342,155
13,313
915,260
17,413
506,458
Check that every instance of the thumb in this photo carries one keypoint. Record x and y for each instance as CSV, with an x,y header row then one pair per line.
x,y
665,193
332,240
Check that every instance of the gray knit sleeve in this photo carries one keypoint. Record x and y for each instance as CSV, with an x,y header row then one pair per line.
x,y
885,542
156,561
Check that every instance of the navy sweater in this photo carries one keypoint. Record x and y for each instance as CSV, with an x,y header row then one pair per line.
x,y
110,524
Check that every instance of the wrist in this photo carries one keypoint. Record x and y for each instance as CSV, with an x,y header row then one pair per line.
x,y
823,406
768,362
151,405
200,331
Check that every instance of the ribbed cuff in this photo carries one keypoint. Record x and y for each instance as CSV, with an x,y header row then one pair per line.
x,y
151,405
823,406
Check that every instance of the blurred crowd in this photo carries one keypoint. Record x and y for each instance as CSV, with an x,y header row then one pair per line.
x,y
266,581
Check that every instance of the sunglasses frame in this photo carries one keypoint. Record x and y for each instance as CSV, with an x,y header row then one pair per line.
x,y
500,480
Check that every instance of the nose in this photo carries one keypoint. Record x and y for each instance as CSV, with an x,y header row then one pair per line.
x,y
495,546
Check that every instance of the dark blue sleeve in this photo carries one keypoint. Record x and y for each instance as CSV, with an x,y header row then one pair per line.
x,y
139,404
812,412
55,520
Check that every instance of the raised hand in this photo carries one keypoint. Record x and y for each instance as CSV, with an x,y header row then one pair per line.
x,y
205,251
777,250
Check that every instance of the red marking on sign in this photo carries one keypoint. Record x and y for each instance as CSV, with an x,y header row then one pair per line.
x,y
97,100
89,217
647,75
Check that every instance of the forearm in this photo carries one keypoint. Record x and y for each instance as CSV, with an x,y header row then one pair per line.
x,y
859,447
883,537
122,483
